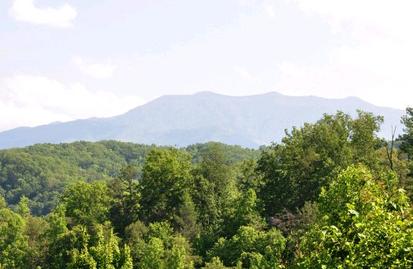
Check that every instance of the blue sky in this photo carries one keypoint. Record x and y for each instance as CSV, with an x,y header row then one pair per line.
x,y
66,59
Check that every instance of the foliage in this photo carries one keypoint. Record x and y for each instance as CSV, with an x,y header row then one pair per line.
x,y
364,224
215,194
86,203
42,172
126,195
328,196
308,157
251,248
13,240
166,177
407,138
406,147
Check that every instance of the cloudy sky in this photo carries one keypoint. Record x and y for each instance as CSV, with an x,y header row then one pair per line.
x,y
67,59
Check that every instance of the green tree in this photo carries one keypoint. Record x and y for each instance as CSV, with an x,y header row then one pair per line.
x,y
179,255
57,223
158,244
92,247
309,157
13,240
68,248
153,255
81,260
187,217
166,178
407,138
251,248
365,223
246,213
215,263
135,235
23,207
36,229
3,203
215,194
125,192
105,249
364,140
406,147
86,203
35,232
126,258
248,178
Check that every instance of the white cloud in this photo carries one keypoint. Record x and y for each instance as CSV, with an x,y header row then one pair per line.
x,y
33,100
372,57
379,74
263,7
26,11
270,10
244,73
367,17
95,70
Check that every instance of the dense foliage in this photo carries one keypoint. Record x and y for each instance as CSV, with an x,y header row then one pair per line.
x,y
330,195
41,172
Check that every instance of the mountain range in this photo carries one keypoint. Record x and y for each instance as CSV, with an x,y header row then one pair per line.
x,y
181,120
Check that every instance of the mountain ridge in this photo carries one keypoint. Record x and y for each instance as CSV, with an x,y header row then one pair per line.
x,y
181,120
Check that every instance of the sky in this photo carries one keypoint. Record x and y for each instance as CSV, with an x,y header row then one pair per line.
x,y
62,60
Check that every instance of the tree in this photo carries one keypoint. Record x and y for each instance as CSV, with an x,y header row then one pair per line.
x,y
363,139
215,263
23,207
92,247
135,235
13,240
406,146
309,157
407,138
166,178
105,249
69,248
251,248
364,223
3,203
246,213
157,246
35,232
127,261
153,255
86,203
36,229
215,194
187,217
179,255
125,192
248,177
82,260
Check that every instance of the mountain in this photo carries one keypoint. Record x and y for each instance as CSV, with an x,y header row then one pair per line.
x,y
187,119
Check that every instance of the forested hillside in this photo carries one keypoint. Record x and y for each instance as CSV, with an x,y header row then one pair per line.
x,y
331,194
41,172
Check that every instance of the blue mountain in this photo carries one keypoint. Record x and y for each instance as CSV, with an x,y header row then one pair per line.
x,y
181,120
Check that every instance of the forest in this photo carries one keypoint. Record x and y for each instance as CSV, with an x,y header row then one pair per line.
x,y
330,194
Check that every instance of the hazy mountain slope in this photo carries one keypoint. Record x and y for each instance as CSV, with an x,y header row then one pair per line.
x,y
187,119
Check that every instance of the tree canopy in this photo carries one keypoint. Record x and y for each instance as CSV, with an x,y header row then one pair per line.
x,y
331,194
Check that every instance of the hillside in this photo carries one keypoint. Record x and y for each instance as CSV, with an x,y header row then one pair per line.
x,y
41,172
182,120
328,194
